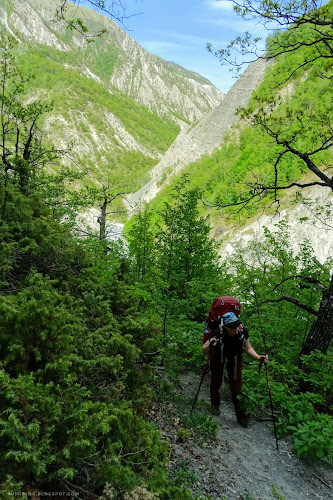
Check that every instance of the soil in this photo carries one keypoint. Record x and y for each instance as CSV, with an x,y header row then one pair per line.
x,y
238,463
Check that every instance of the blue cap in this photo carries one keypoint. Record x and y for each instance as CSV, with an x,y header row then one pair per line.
x,y
230,319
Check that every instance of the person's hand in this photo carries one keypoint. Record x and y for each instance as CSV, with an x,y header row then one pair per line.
x,y
263,359
213,341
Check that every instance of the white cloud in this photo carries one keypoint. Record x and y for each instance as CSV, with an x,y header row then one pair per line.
x,y
176,43
224,5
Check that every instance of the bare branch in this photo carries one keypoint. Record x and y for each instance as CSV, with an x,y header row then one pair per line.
x,y
113,9
145,355
317,215
257,193
286,20
309,279
293,301
69,485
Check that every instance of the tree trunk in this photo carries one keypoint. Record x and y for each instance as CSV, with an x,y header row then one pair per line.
x,y
102,220
170,258
321,332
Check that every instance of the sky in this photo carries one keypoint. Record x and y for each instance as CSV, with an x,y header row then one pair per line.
x,y
178,31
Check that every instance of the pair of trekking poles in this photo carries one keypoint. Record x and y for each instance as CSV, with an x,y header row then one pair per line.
x,y
262,361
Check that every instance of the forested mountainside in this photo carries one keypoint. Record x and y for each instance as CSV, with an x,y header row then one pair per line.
x,y
246,152
100,341
243,160
117,106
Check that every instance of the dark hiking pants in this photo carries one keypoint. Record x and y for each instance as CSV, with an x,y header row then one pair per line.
x,y
235,381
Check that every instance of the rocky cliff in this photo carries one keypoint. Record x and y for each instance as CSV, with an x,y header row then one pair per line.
x,y
303,222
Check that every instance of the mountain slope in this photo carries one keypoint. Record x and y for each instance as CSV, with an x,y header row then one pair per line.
x,y
246,158
120,107
114,59
205,136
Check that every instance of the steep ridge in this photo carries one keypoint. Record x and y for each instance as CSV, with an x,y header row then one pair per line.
x,y
205,136
163,87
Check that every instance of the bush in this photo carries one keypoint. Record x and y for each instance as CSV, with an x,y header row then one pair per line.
x,y
71,392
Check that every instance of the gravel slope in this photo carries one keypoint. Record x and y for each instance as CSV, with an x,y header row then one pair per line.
x,y
239,464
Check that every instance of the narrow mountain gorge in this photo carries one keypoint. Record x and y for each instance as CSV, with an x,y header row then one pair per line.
x,y
203,137
129,116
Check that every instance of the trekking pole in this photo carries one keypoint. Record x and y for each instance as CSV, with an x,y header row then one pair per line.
x,y
270,399
203,376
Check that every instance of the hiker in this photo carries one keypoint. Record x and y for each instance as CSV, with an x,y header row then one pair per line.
x,y
225,340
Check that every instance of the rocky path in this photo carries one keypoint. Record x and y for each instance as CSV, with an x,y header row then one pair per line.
x,y
238,464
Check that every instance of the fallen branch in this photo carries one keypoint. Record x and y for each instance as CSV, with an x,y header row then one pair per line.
x,y
145,355
69,485
322,481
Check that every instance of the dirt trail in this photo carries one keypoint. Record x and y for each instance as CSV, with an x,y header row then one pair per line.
x,y
240,464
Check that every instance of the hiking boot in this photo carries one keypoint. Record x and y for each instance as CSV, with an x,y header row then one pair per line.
x,y
243,421
215,410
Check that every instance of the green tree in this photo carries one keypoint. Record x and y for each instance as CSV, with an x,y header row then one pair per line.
x,y
187,257
141,243
270,272
20,151
72,394
105,195
24,152
305,132
301,393
301,28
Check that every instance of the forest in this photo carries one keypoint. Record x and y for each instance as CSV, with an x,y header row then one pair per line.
x,y
93,331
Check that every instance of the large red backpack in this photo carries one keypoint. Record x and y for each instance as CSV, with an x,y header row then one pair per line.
x,y
220,306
